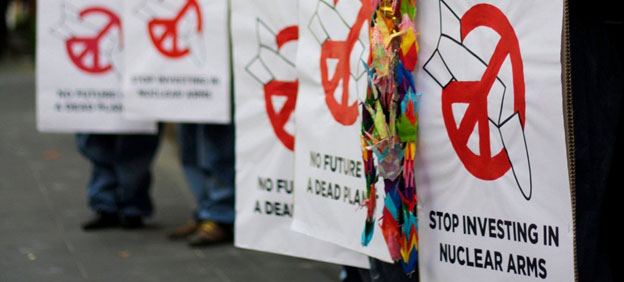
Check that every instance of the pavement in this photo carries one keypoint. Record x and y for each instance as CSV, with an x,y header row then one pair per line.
x,y
43,202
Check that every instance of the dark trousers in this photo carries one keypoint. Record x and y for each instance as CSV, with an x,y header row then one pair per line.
x,y
597,53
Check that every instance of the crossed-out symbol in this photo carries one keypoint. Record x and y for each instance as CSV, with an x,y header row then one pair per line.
x,y
341,110
287,89
170,31
91,44
487,166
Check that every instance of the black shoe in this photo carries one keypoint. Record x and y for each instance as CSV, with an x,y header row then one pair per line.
x,y
103,220
131,222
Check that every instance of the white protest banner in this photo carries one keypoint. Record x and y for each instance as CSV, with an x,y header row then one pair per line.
x,y
79,68
492,175
176,60
333,44
265,45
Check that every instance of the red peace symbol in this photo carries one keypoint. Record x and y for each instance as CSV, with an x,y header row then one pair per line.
x,y
486,166
91,44
286,89
341,111
170,30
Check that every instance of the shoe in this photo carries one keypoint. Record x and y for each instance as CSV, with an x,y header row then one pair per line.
x,y
183,231
131,222
210,233
102,220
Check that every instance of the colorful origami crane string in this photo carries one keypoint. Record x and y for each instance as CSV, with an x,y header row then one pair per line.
x,y
390,127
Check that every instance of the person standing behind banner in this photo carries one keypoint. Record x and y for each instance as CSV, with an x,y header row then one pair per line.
x,y
118,191
208,163
4,5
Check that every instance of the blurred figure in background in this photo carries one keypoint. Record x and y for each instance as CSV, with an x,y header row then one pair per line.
x,y
118,192
17,28
208,163
4,5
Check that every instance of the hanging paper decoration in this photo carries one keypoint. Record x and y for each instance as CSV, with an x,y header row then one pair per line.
x,y
390,126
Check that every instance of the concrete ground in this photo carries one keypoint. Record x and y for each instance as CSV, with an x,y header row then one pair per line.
x,y
43,203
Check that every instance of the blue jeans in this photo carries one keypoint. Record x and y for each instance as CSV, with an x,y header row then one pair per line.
x,y
208,164
121,174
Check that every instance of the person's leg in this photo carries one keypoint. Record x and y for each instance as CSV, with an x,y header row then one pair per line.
x,y
389,272
208,161
102,191
133,163
354,274
189,159
216,159
597,69
193,174
102,188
